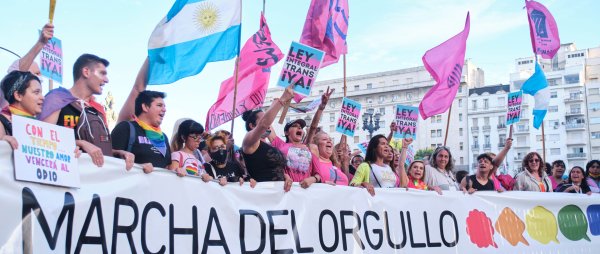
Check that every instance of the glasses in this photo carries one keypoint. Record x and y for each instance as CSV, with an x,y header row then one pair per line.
x,y
195,137
534,160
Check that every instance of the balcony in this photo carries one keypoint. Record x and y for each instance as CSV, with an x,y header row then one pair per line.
x,y
574,112
501,126
572,98
475,147
487,128
575,126
519,158
522,130
501,144
576,156
487,146
475,129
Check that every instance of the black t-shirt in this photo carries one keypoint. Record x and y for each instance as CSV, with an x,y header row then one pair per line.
x,y
232,171
142,148
563,186
68,117
265,164
92,130
7,124
472,181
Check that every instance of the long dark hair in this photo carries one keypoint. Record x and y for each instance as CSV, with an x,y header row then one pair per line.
x,y
589,165
371,156
584,184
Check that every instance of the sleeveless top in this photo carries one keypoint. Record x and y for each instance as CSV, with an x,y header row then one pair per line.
x,y
265,164
7,124
472,182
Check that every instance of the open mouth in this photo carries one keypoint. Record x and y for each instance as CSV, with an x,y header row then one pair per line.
x,y
299,133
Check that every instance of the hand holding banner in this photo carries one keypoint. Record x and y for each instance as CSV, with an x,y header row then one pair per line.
x,y
350,112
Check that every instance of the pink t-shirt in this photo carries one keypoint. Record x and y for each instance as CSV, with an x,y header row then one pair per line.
x,y
298,159
188,161
329,172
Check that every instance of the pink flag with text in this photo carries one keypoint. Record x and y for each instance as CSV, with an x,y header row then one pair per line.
x,y
542,29
444,63
326,27
256,58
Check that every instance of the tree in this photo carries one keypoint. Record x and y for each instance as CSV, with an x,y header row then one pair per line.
x,y
421,153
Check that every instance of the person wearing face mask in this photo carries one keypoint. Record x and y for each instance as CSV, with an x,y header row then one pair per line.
x,y
221,167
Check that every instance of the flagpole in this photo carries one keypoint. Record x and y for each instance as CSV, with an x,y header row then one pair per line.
x,y
345,75
543,144
237,65
264,3
447,125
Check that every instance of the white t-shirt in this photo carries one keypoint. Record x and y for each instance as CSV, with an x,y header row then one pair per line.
x,y
383,177
445,180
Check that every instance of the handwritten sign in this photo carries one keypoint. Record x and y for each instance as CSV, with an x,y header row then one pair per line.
x,y
349,117
46,153
363,146
51,60
300,68
514,107
406,122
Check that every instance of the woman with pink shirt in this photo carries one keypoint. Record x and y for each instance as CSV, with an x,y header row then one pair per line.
x,y
558,170
326,163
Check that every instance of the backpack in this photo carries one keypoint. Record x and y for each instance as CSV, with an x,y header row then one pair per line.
x,y
91,128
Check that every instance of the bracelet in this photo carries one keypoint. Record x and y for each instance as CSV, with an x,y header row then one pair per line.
x,y
280,102
317,179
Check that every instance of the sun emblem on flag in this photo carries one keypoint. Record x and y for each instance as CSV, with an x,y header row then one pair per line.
x,y
208,17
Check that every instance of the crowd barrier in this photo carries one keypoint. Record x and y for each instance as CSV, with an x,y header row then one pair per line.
x,y
119,211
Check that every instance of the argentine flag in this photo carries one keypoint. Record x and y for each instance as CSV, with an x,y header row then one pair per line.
x,y
193,33
537,86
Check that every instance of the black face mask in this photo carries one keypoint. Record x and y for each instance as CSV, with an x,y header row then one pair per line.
x,y
219,156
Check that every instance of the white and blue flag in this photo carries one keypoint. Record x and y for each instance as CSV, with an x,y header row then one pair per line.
x,y
193,33
537,86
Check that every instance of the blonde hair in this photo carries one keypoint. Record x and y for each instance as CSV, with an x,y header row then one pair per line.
x,y
333,158
412,163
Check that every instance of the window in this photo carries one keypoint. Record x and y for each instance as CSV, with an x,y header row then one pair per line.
x,y
502,138
486,139
356,139
553,137
433,146
439,132
486,104
382,111
501,120
474,103
395,97
595,120
594,106
409,96
462,160
356,87
552,108
553,124
439,119
369,100
594,91
320,92
524,62
369,86
461,145
475,140
474,122
433,119
460,89
553,94
596,134
460,132
486,121
433,133
501,101
460,103
572,79
331,117
381,98
575,55
460,117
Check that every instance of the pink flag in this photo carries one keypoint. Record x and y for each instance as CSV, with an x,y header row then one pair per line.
x,y
326,27
444,63
543,30
256,57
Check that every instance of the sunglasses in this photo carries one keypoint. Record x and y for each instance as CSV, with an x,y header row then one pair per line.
x,y
534,160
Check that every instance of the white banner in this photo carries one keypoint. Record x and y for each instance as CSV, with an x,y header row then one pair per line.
x,y
119,211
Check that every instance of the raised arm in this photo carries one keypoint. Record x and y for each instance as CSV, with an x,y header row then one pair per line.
x,y
139,85
253,136
502,154
392,129
401,170
317,118
27,60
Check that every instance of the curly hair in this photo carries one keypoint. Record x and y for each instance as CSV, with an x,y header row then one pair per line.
x,y
529,156
432,159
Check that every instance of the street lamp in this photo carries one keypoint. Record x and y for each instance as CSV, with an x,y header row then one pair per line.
x,y
368,121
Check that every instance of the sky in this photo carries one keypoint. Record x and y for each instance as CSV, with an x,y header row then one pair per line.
x,y
383,35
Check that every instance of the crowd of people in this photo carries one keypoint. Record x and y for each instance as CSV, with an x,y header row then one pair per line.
x,y
308,154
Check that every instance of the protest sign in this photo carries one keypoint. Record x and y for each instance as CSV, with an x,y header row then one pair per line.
x,y
406,122
363,146
514,107
410,154
300,68
46,153
51,60
350,111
